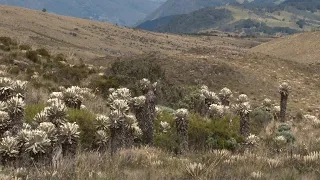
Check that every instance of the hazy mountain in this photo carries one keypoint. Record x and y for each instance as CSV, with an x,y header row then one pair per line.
x,y
122,12
251,19
174,7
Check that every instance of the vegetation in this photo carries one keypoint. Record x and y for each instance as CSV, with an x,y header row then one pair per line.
x,y
67,134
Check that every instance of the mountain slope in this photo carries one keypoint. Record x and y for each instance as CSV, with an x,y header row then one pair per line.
x,y
122,12
88,38
174,7
302,47
238,19
190,23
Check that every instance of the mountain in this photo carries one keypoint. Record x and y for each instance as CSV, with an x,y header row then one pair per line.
x,y
189,23
174,7
121,12
246,19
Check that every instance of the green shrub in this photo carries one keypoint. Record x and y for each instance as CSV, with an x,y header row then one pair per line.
x,y
33,56
103,83
32,110
203,134
85,120
24,47
259,119
166,140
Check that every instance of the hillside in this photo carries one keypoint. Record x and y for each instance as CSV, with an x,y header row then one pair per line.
x,y
194,22
187,60
175,7
242,19
121,12
302,47
86,38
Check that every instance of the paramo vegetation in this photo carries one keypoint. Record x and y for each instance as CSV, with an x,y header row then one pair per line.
x,y
110,131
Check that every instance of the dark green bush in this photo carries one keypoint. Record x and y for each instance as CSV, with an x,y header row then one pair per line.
x,y
103,83
85,120
203,134
33,56
259,119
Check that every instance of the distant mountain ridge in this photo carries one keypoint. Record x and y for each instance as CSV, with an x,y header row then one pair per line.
x,y
175,7
121,12
258,17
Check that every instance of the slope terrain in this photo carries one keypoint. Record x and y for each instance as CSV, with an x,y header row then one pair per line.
x,y
239,19
121,12
88,38
187,61
175,7
303,47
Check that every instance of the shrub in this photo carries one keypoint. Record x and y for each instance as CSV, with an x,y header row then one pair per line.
x,y
85,120
259,118
103,83
33,56
203,134
44,10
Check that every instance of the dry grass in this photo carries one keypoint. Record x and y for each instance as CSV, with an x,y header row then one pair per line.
x,y
303,48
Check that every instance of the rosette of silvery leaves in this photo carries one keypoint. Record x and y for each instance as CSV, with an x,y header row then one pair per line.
x,y
36,141
6,89
69,132
50,129
243,105
5,121
56,112
102,122
208,96
72,95
181,113
9,147
19,87
121,93
139,101
284,88
218,110
15,106
267,104
165,126
225,93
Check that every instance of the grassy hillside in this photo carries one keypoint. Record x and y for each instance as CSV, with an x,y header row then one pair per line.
x,y
70,120
250,20
302,47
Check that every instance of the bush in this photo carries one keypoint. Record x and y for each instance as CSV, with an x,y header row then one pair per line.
x,y
103,83
33,56
259,119
203,134
85,120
